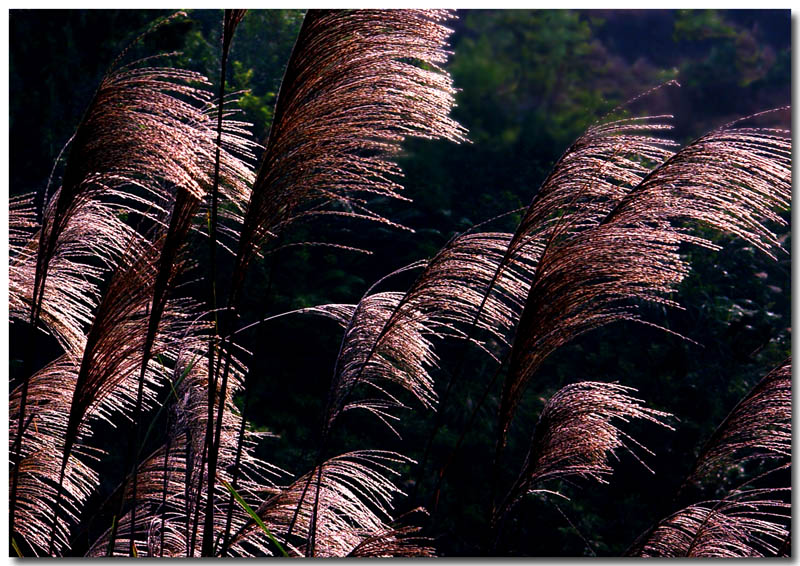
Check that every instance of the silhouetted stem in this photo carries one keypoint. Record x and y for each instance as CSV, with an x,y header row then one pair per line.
x,y
209,519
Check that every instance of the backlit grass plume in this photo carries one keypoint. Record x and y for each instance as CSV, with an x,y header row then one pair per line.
x,y
145,130
759,427
105,264
733,179
356,85
577,432
352,496
747,524
388,336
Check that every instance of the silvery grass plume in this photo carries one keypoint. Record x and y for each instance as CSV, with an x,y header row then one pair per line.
x,y
168,510
593,174
96,231
589,178
749,523
388,335
758,428
577,431
69,394
144,129
145,137
21,220
732,179
160,502
235,454
346,502
394,542
88,248
358,82
356,85
746,522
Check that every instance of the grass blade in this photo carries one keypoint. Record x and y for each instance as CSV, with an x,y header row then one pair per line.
x,y
255,517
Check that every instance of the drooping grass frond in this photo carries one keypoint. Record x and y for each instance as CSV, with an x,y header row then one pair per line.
x,y
114,344
21,221
577,432
167,266
97,231
49,394
172,483
748,524
88,247
394,542
388,335
138,132
735,180
253,475
105,376
161,509
145,129
236,175
144,133
730,179
163,472
587,181
592,176
759,427
353,505
358,82
55,479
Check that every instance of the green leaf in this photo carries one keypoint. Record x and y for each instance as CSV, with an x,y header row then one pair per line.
x,y
254,516
15,547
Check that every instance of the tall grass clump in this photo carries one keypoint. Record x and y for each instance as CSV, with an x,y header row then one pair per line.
x,y
162,181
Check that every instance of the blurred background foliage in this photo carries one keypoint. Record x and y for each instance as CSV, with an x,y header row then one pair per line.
x,y
530,82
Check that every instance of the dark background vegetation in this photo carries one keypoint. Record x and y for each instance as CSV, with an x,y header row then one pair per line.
x,y
530,82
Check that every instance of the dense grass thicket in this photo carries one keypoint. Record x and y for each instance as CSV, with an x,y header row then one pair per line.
x,y
176,389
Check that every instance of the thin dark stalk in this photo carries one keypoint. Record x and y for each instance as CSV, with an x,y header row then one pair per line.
x,y
17,446
33,323
187,489
242,427
164,490
59,496
182,213
44,254
313,530
133,445
198,502
130,459
231,19
299,505
235,473
208,527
